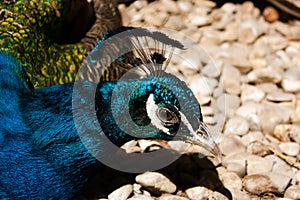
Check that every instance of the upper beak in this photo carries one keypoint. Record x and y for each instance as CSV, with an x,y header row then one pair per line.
x,y
202,137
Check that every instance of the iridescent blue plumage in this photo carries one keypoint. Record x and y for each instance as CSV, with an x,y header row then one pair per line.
x,y
42,154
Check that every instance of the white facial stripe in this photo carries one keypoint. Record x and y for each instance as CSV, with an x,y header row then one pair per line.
x,y
151,108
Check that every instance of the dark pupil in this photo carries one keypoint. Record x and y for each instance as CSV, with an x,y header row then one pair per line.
x,y
165,115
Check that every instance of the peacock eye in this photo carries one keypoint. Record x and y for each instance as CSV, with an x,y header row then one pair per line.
x,y
166,116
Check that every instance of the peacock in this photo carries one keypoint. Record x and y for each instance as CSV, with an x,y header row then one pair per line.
x,y
51,38
54,139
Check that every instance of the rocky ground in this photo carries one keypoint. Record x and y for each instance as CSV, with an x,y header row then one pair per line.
x,y
249,91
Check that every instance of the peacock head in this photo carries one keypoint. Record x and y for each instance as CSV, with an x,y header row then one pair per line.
x,y
146,102
161,108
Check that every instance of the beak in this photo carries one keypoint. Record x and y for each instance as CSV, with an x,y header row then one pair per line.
x,y
202,137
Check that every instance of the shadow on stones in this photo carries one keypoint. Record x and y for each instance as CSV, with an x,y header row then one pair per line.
x,y
186,172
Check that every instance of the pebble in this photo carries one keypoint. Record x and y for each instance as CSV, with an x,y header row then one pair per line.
x,y
175,23
231,145
121,193
268,87
249,31
251,137
296,116
156,182
267,74
273,115
257,183
196,19
236,126
282,132
236,168
238,194
231,79
267,182
256,164
278,96
231,181
199,191
291,80
270,14
171,197
185,6
293,192
251,93
141,197
158,20
290,148
280,166
228,104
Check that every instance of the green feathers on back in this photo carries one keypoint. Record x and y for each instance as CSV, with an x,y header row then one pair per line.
x,y
25,27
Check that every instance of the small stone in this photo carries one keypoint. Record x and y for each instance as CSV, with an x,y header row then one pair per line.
x,y
290,148
196,192
212,69
291,80
236,168
267,182
171,7
240,63
146,144
171,197
276,42
257,183
249,31
250,111
270,14
228,104
231,180
217,195
257,148
131,147
156,182
141,197
196,19
281,132
296,116
267,74
185,6
279,181
251,93
191,64
273,115
175,23
231,79
252,137
257,165
231,145
294,132
278,96
236,158
293,192
121,193
280,166
236,126
238,194
268,87
159,19
183,147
